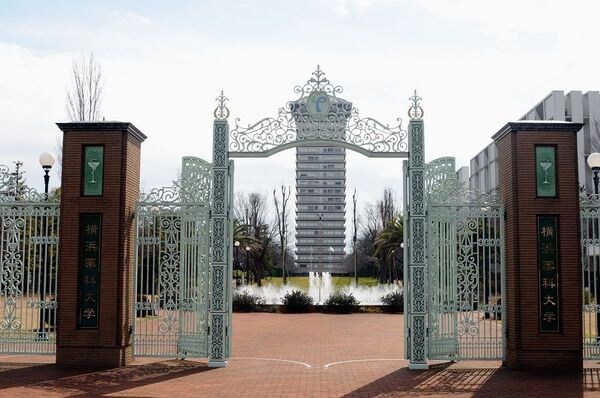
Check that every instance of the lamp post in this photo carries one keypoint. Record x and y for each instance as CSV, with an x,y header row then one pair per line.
x,y
46,161
391,267
593,162
237,262
247,265
320,215
402,253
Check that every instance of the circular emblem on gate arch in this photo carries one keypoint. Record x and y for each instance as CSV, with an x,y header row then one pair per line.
x,y
318,104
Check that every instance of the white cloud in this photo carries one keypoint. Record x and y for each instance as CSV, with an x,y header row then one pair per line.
x,y
130,18
164,77
345,7
511,17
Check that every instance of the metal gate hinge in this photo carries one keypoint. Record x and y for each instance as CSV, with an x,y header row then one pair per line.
x,y
226,330
208,330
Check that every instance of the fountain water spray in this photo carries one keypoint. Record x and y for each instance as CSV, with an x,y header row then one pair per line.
x,y
320,287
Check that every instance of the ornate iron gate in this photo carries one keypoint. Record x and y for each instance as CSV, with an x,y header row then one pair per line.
x,y
172,266
465,245
28,268
590,263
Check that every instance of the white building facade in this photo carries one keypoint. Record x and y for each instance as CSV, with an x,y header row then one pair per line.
x,y
558,106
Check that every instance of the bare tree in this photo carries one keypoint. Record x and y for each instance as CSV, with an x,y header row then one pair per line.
x,y
374,219
59,155
252,209
85,95
386,207
595,138
282,224
368,229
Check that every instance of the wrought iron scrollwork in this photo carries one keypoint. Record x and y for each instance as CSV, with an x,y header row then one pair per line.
x,y
415,111
341,125
172,242
161,195
465,244
440,172
221,111
318,82
12,191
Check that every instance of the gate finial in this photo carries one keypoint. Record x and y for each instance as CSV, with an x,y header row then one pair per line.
x,y
221,111
415,111
318,82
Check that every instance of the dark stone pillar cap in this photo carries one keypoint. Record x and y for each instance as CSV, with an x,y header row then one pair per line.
x,y
83,127
542,126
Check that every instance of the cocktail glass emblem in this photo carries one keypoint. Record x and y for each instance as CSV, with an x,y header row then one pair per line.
x,y
93,165
545,165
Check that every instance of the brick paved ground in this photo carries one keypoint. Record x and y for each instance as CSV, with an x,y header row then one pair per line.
x,y
349,356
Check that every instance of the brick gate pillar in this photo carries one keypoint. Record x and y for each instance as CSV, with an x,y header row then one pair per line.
x,y
99,192
538,183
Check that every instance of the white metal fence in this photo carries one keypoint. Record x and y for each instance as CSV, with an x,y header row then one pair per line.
x,y
28,269
590,263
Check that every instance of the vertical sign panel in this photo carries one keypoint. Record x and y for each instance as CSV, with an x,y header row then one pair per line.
x,y
89,270
548,270
545,167
93,170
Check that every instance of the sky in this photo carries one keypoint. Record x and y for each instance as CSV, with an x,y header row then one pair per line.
x,y
476,64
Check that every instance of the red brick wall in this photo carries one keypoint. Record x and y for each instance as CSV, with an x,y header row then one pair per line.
x,y
527,348
110,344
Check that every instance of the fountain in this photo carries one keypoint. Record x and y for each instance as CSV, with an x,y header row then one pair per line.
x,y
320,287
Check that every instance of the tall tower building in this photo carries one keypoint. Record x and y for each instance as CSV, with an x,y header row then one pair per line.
x,y
320,209
320,183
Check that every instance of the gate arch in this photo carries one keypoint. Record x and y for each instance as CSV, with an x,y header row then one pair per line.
x,y
318,117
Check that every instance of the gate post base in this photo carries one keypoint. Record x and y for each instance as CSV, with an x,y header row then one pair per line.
x,y
100,189
94,357
542,244
418,366
217,364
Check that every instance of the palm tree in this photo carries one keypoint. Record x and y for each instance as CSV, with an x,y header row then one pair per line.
x,y
387,243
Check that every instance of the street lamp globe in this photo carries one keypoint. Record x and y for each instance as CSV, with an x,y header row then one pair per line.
x,y
593,162
236,243
47,160
247,248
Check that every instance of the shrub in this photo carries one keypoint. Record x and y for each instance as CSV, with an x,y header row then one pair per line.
x,y
341,303
245,301
297,301
587,296
394,301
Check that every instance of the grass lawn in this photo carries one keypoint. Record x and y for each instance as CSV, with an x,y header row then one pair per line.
x,y
301,282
